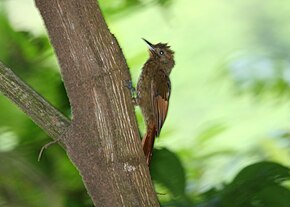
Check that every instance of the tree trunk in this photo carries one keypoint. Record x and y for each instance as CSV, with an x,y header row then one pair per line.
x,y
102,139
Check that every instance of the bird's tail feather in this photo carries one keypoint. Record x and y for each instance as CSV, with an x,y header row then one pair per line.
x,y
148,142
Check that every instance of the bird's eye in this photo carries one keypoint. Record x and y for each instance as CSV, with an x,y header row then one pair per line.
x,y
161,52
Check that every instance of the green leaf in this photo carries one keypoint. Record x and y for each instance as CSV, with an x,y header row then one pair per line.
x,y
273,196
254,185
167,170
268,172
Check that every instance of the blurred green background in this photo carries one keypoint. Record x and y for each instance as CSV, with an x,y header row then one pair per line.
x,y
229,106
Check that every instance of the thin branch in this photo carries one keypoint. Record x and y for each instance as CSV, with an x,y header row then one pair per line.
x,y
45,147
35,106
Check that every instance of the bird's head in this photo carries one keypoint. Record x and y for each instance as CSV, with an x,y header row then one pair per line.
x,y
162,53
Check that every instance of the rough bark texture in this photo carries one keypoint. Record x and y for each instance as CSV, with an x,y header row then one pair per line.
x,y
41,112
103,140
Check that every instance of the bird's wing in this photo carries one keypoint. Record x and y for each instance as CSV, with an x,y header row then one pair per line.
x,y
160,91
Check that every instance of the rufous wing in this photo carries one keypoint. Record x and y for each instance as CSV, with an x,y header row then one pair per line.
x,y
160,91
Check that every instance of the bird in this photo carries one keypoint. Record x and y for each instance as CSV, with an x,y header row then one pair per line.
x,y
153,92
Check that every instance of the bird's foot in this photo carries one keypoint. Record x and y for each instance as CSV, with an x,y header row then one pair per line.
x,y
128,84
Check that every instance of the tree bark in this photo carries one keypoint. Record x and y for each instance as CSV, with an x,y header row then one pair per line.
x,y
36,107
103,140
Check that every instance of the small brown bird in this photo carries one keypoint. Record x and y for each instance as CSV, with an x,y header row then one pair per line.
x,y
153,92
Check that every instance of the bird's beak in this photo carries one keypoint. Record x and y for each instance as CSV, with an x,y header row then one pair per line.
x,y
150,45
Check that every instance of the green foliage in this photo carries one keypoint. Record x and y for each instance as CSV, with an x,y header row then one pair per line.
x,y
264,67
23,180
257,185
260,74
214,131
167,170
20,49
113,8
210,132
31,58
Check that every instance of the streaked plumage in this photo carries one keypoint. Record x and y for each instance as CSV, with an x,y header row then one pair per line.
x,y
153,92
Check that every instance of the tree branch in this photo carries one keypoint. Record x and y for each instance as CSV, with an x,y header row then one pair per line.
x,y
36,107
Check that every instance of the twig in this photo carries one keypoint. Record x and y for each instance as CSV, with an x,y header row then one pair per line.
x,y
47,145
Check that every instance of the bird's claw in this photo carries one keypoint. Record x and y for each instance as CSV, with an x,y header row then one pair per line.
x,y
129,85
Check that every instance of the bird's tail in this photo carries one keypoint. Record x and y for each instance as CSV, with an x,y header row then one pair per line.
x,y
148,142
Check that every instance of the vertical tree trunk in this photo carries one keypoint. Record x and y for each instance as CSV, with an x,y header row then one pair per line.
x,y
102,140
